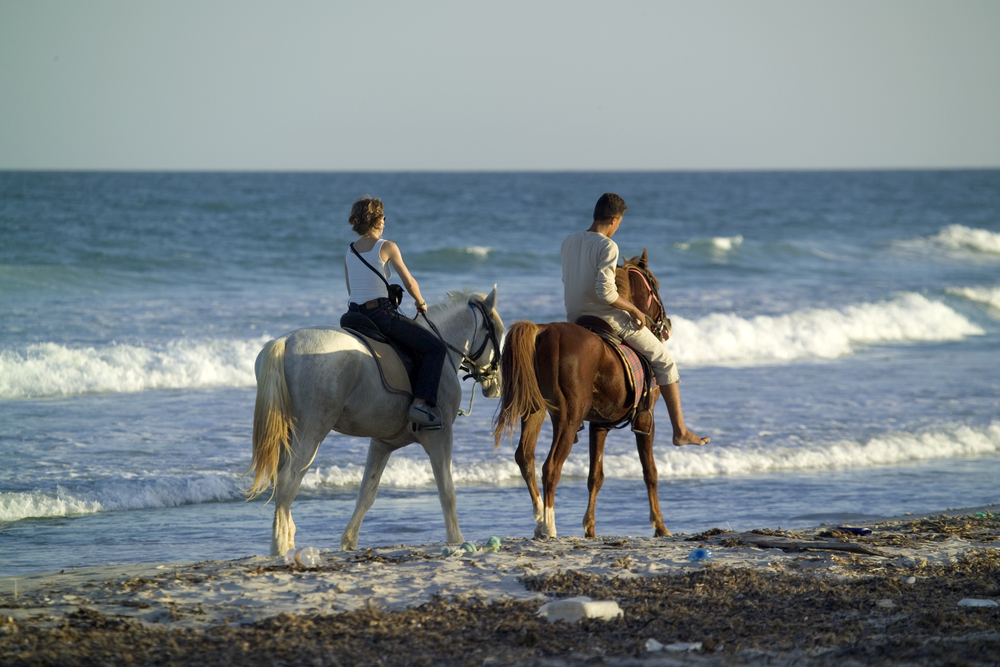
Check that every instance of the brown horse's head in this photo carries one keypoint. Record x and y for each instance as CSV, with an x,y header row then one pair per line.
x,y
638,285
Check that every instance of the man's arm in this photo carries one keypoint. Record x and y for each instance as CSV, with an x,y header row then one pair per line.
x,y
638,318
606,289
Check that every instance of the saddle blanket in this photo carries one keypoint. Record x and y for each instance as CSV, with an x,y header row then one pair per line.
x,y
392,370
635,366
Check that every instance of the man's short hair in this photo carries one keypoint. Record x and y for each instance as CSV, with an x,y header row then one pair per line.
x,y
609,206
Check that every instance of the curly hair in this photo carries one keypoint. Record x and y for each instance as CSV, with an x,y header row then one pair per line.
x,y
365,214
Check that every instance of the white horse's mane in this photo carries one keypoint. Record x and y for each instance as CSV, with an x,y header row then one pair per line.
x,y
455,298
460,298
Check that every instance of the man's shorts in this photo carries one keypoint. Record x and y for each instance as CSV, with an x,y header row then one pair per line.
x,y
645,343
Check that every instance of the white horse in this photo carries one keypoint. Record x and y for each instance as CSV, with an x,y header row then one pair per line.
x,y
313,381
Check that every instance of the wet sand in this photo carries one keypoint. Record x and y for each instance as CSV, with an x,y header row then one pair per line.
x,y
820,596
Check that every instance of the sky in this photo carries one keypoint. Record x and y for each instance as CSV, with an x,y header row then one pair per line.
x,y
497,86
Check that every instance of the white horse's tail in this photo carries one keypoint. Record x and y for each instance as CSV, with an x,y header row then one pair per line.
x,y
273,426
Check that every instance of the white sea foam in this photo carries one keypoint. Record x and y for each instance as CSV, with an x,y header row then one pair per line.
x,y
50,369
890,449
816,333
715,460
120,494
402,472
479,251
986,295
717,244
964,238
957,240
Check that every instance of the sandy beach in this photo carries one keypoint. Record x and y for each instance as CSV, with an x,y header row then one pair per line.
x,y
915,590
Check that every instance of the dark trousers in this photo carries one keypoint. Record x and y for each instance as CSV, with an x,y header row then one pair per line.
x,y
409,334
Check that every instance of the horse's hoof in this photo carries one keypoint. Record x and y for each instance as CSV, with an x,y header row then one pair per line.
x,y
541,533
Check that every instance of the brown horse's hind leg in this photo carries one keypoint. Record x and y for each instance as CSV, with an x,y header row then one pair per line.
x,y
564,426
645,445
525,457
596,477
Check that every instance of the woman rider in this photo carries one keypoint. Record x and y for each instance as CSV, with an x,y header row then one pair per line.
x,y
370,297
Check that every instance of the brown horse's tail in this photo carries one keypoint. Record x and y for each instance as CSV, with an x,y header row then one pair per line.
x,y
272,418
520,395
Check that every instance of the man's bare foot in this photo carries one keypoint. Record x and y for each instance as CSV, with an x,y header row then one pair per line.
x,y
689,438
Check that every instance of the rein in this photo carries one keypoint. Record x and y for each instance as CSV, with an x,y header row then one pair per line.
x,y
658,326
468,364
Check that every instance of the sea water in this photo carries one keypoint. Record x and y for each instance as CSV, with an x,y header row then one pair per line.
x,y
837,334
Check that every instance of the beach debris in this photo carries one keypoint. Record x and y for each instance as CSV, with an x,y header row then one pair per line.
x,y
885,603
303,556
907,561
575,609
493,544
653,646
711,532
700,555
973,602
681,647
8,625
909,580
768,542
856,531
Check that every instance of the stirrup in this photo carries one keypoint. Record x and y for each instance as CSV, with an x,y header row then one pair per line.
x,y
425,415
636,429
414,426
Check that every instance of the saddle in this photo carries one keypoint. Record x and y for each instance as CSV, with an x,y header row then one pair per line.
x,y
397,366
638,373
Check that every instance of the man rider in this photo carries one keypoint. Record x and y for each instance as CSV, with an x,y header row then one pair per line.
x,y
589,259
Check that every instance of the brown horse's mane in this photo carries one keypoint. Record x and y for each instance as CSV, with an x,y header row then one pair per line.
x,y
622,282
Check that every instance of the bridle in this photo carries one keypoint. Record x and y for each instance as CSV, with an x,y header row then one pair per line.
x,y
479,374
661,325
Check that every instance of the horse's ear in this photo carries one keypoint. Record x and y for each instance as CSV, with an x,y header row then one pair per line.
x,y
491,300
643,261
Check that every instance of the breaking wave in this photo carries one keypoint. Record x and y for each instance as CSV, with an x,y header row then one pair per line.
x,y
957,240
50,369
727,339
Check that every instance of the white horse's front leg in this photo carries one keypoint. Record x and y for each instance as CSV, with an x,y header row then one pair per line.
x,y
438,448
378,456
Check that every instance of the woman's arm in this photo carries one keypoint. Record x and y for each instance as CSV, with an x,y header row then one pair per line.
x,y
347,278
390,253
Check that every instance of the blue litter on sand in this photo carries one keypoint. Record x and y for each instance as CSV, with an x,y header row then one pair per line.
x,y
856,531
699,555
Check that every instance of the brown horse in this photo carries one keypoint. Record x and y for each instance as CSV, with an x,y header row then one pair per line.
x,y
569,371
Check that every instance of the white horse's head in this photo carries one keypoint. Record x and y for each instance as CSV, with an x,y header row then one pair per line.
x,y
491,381
481,356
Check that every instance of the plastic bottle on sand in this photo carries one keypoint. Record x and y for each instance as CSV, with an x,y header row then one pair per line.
x,y
304,556
700,555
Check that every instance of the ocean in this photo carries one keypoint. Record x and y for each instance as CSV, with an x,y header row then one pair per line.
x,y
837,335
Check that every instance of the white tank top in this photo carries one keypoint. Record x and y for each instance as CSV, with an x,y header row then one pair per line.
x,y
365,285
